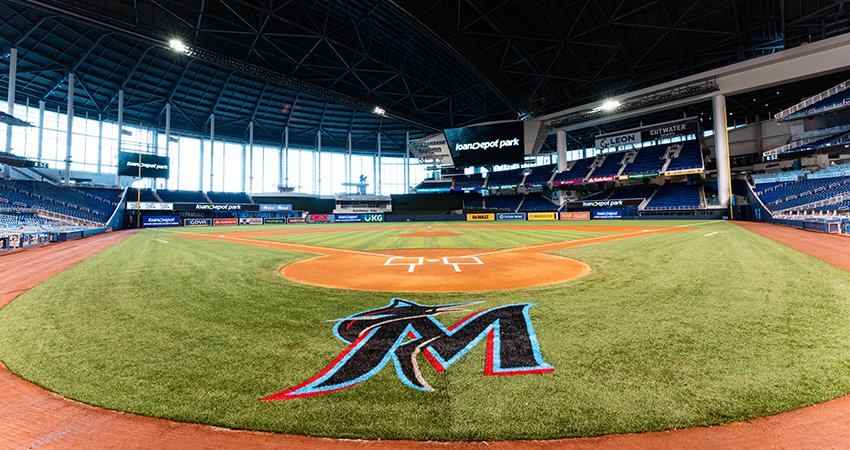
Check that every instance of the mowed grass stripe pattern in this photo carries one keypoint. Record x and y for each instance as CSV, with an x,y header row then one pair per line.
x,y
484,238
670,330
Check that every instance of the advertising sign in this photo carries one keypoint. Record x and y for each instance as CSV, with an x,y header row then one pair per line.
x,y
296,220
510,216
480,217
348,218
578,215
500,143
430,148
226,221
151,206
567,182
276,207
197,222
251,221
649,133
150,166
160,221
600,179
216,207
275,221
608,214
593,204
542,216
318,218
621,139
373,217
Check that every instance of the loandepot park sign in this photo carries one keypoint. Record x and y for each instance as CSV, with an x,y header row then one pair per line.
x,y
655,132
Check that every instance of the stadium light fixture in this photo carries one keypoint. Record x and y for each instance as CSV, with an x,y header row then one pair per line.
x,y
178,46
379,111
610,105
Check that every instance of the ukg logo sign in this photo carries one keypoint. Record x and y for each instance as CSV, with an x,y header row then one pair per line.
x,y
403,330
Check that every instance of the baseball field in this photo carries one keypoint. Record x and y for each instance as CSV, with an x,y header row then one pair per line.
x,y
586,328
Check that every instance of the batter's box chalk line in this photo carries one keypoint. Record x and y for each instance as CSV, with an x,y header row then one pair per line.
x,y
413,261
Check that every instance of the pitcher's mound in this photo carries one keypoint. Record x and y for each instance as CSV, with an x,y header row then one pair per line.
x,y
435,270
429,234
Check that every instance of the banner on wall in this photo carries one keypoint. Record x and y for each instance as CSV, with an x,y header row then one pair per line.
x,y
608,214
347,218
510,216
684,127
160,221
216,207
151,206
197,222
578,215
275,221
276,207
251,221
296,220
226,221
318,218
373,217
542,216
594,204
480,217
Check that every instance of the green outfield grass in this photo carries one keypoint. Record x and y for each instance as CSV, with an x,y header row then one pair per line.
x,y
668,331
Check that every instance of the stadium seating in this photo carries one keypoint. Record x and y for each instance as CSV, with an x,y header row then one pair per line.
x,y
473,202
504,202
505,178
29,222
675,196
229,197
649,160
434,186
610,166
147,195
578,171
468,182
536,202
540,175
804,192
632,192
690,158
50,197
181,196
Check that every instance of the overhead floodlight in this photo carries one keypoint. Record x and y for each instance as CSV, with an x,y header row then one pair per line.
x,y
610,105
178,46
379,111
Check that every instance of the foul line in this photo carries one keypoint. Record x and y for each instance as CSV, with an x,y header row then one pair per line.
x,y
605,238
285,245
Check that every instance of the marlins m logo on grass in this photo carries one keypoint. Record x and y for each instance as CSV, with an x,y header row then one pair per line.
x,y
402,330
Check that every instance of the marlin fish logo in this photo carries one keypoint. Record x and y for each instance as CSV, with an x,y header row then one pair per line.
x,y
402,330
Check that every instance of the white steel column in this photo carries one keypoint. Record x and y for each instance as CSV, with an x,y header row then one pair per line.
x,y
348,158
407,162
251,155
69,135
212,149
120,132
286,156
40,144
562,150
201,167
10,107
319,162
99,144
378,168
168,140
721,150
244,166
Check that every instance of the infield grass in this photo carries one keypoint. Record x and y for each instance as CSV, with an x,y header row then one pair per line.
x,y
668,331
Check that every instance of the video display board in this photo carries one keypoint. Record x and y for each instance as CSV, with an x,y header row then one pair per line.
x,y
480,145
152,166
